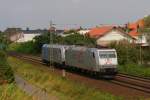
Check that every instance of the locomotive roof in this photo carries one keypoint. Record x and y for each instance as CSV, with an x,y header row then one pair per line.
x,y
54,45
73,47
85,48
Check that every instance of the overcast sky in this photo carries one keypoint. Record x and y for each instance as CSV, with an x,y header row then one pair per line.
x,y
38,13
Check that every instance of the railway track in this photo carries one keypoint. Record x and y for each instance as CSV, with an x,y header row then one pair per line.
x,y
134,82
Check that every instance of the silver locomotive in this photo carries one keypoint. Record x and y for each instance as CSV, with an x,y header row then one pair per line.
x,y
102,62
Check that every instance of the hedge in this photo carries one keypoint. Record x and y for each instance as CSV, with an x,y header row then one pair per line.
x,y
6,73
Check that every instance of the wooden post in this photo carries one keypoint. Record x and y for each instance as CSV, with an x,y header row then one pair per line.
x,y
63,73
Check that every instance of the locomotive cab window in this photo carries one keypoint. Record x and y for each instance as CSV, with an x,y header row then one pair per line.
x,y
107,54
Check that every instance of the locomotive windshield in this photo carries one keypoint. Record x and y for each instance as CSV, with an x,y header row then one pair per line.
x,y
107,54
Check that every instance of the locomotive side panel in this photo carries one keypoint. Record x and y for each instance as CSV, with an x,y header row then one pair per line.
x,y
54,53
81,58
45,53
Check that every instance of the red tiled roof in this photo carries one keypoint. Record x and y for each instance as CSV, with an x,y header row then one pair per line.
x,y
133,33
133,26
141,23
99,31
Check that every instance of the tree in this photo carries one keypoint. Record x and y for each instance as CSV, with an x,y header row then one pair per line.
x,y
147,22
46,38
127,53
77,39
148,38
72,39
3,42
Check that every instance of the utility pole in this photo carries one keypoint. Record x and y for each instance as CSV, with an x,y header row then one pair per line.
x,y
50,30
127,53
51,43
141,60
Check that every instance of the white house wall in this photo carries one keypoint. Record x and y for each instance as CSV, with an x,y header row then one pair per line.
x,y
113,36
142,40
83,32
27,37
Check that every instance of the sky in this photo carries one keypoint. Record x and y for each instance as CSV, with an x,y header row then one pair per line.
x,y
70,13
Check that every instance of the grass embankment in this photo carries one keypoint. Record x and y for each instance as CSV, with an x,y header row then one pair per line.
x,y
55,85
8,89
135,69
12,92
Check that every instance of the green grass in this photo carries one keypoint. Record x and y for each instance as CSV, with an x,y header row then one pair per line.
x,y
135,69
12,92
57,86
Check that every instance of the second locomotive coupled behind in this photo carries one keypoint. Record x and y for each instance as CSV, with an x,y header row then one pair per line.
x,y
102,62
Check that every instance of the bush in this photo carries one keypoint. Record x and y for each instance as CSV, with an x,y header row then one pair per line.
x,y
146,55
127,53
135,69
12,92
77,39
6,73
130,53
27,47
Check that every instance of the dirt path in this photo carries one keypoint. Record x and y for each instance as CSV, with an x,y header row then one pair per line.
x,y
35,92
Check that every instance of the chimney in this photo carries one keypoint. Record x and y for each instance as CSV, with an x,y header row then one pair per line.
x,y
27,29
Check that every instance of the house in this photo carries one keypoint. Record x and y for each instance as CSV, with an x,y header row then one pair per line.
x,y
68,32
19,35
140,37
28,35
56,31
107,34
136,25
13,34
83,31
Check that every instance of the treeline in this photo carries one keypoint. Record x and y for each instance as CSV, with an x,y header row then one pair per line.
x,y
131,53
35,45
147,22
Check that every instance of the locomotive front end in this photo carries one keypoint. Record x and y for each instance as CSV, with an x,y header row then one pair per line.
x,y
108,62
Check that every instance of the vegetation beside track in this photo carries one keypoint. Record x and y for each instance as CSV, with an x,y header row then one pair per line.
x,y
8,89
135,69
6,73
27,47
55,85
12,92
